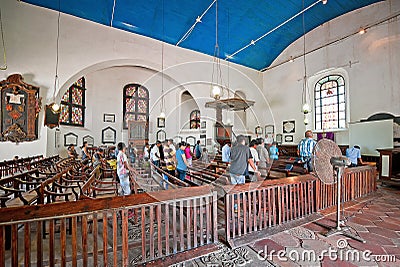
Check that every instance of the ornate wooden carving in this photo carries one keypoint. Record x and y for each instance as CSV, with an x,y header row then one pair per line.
x,y
20,107
137,134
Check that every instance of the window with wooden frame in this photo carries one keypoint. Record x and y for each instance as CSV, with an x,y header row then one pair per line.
x,y
330,103
73,104
195,119
136,104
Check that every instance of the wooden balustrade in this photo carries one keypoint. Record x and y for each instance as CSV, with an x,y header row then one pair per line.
x,y
252,208
256,206
356,182
169,222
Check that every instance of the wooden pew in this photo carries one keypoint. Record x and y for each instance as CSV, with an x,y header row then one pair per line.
x,y
20,189
95,187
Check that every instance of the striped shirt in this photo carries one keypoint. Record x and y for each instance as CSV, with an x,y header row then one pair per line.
x,y
306,147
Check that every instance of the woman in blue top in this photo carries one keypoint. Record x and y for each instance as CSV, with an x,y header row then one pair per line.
x,y
181,167
85,153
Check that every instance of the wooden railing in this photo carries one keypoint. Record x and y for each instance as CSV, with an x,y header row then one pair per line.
x,y
356,182
256,206
252,208
169,222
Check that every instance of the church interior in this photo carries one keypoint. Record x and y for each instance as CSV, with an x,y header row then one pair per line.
x,y
82,80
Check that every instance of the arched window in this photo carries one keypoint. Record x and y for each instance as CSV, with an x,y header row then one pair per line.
x,y
136,104
73,104
195,119
330,103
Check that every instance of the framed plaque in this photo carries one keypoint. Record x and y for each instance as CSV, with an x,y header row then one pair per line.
x,y
70,139
108,135
160,122
109,118
269,129
288,138
89,139
289,126
161,136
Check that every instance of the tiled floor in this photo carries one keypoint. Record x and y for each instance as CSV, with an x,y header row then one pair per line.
x,y
376,219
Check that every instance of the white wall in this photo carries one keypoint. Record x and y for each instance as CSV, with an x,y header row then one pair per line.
x,y
372,78
88,49
110,58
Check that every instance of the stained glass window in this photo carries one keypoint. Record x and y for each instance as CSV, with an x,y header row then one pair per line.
x,y
330,103
73,104
136,107
195,119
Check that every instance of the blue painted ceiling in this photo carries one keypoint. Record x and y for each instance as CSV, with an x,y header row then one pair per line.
x,y
239,22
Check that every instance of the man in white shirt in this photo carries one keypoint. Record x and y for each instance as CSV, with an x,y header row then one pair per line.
x,y
226,152
155,154
171,145
256,159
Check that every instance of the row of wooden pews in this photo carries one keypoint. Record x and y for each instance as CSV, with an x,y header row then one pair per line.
x,y
64,180
10,167
31,186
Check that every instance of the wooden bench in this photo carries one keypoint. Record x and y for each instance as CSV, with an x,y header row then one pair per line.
x,y
95,187
20,189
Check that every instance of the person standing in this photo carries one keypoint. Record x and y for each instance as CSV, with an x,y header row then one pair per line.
x,y
182,163
155,154
123,169
132,153
197,149
226,152
305,150
274,151
354,155
72,152
146,152
204,156
188,154
240,158
264,159
85,152
98,157
169,158
252,171
170,143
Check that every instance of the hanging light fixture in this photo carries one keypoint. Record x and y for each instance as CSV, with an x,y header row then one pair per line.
x,y
162,104
217,88
362,31
55,108
305,92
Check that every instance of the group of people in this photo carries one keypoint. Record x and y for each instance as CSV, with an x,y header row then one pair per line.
x,y
306,146
249,162
95,160
73,154
246,162
176,159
